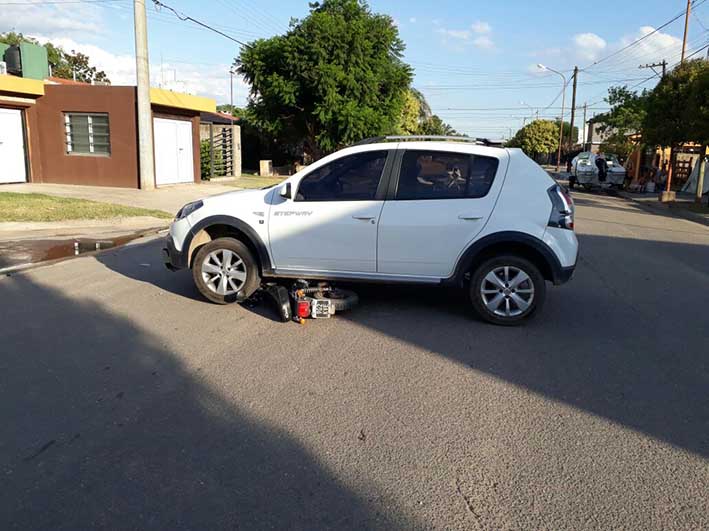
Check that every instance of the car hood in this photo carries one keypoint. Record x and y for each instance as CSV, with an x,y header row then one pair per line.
x,y
254,198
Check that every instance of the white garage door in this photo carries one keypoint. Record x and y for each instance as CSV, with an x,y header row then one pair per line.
x,y
12,147
173,151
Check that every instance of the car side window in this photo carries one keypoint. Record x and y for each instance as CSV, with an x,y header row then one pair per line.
x,y
351,178
445,175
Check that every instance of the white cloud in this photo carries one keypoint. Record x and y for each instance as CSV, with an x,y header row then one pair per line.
x,y
459,35
483,42
75,29
656,47
211,80
412,20
589,45
53,20
459,39
481,27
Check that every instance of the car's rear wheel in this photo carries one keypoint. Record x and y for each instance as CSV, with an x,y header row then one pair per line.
x,y
507,290
224,271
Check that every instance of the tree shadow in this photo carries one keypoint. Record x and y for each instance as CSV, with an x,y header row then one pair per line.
x,y
104,427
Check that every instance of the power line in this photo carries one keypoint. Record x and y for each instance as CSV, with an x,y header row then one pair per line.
x,y
635,42
207,26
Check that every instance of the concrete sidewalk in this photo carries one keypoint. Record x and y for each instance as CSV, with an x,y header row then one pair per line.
x,y
683,207
168,199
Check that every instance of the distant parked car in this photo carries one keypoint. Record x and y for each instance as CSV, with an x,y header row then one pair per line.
x,y
585,171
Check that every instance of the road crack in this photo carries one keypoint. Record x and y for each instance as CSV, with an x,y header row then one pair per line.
x,y
466,500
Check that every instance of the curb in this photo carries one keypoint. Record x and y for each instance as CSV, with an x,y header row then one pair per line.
x,y
656,207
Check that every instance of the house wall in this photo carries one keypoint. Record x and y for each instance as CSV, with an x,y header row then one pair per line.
x,y
50,163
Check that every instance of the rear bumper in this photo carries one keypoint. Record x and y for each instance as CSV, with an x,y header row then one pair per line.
x,y
173,258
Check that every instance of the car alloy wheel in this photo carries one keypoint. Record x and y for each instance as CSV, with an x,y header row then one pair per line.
x,y
507,291
224,272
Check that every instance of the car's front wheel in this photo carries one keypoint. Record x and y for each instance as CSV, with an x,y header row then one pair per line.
x,y
506,290
224,271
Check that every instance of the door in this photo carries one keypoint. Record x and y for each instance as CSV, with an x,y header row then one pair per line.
x,y
12,147
174,158
331,222
442,201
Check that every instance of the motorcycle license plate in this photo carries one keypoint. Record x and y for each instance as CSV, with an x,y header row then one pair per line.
x,y
320,309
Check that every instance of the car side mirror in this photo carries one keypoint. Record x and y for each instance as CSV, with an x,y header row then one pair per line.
x,y
286,191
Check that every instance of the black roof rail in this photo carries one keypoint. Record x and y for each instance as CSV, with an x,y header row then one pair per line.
x,y
417,138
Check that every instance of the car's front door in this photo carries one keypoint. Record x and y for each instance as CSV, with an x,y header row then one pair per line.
x,y
442,201
330,224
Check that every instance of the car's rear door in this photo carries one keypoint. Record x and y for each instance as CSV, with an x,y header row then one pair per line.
x,y
330,225
439,200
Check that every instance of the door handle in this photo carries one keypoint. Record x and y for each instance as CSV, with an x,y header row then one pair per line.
x,y
466,217
363,218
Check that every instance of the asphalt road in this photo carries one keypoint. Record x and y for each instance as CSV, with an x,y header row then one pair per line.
x,y
127,402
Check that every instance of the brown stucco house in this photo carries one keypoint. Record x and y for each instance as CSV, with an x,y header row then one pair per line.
x,y
59,131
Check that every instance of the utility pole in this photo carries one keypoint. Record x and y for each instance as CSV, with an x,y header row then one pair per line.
x,y
145,114
701,174
686,27
583,129
573,108
663,64
231,94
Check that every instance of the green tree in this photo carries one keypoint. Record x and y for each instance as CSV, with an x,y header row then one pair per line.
x,y
669,119
435,126
538,137
410,121
628,110
235,111
334,78
64,64
696,110
424,108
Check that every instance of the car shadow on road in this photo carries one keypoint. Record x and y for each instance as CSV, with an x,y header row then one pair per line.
x,y
105,428
146,265
621,341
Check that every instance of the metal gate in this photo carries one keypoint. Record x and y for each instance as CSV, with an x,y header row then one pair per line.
x,y
217,151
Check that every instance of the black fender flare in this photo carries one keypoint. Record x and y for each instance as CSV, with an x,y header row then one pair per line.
x,y
468,258
243,227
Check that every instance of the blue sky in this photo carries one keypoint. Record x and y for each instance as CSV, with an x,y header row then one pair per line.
x,y
474,61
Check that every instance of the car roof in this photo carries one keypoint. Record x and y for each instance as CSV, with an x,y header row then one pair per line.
x,y
426,143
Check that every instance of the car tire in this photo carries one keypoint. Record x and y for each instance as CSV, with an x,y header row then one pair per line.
x,y
500,296
225,271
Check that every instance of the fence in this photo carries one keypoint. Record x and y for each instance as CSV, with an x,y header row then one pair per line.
x,y
220,150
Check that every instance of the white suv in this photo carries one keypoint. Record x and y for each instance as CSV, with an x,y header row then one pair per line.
x,y
430,210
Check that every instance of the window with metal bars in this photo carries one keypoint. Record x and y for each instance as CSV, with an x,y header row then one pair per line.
x,y
87,134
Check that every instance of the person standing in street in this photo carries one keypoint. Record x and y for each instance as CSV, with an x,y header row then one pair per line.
x,y
602,166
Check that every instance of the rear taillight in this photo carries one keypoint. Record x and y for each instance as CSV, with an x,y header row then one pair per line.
x,y
562,212
303,309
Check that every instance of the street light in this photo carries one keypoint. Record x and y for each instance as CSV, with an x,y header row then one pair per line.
x,y
561,122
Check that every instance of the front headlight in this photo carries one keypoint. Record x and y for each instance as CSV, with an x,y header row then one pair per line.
x,y
188,209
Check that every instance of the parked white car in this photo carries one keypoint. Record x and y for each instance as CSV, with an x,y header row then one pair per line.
x,y
429,210
585,171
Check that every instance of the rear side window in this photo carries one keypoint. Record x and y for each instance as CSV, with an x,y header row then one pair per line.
x,y
445,175
351,178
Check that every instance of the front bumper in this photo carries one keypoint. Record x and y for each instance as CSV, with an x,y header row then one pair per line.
x,y
563,275
173,259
